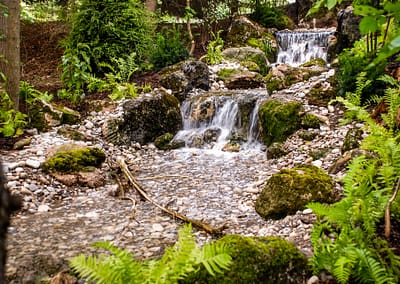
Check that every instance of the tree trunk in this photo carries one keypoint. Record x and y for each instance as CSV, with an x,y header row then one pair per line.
x,y
151,5
10,49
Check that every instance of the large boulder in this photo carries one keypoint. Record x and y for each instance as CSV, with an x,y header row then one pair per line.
x,y
144,119
75,164
262,260
183,77
247,54
279,119
291,190
348,31
240,78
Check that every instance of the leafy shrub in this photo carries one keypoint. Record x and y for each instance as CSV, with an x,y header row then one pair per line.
x,y
271,17
12,122
169,48
214,49
352,62
104,30
346,239
184,257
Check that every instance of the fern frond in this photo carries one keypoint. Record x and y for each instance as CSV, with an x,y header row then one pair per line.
x,y
344,265
215,258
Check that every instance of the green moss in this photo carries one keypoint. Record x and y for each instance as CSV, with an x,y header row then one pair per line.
x,y
75,160
250,65
162,142
310,120
291,190
279,120
71,134
276,150
257,260
314,62
226,73
307,135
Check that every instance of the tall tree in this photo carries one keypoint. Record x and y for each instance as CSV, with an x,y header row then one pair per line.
x,y
10,47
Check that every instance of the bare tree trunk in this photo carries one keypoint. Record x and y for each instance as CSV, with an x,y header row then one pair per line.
x,y
151,5
9,48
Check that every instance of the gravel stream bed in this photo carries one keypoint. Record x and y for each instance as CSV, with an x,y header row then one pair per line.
x,y
219,188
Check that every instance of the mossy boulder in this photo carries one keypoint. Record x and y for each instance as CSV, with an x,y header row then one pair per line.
x,y
322,93
182,77
291,190
144,119
74,158
44,115
167,142
314,62
279,119
240,78
261,260
276,150
247,54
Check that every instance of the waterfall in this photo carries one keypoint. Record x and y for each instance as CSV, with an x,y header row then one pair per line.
x,y
298,47
214,121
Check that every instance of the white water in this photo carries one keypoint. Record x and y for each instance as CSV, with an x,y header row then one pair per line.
x,y
298,47
219,125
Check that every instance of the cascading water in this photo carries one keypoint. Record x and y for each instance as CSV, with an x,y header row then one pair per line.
x,y
298,47
213,121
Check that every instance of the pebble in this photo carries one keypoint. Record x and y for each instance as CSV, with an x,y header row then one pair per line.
x,y
32,163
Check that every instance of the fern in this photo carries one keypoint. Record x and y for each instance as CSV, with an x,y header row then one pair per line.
x,y
119,266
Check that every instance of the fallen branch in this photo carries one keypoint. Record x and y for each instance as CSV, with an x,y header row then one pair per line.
x,y
162,177
387,211
209,229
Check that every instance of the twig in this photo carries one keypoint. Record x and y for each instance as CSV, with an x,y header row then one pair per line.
x,y
387,211
162,177
209,229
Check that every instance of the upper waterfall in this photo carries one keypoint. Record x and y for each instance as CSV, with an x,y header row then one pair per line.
x,y
298,47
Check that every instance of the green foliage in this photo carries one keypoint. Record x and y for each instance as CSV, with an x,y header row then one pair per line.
x,y
352,62
102,31
345,238
184,257
169,48
270,17
214,49
12,122
29,94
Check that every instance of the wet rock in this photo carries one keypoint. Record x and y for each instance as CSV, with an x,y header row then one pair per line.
x,y
290,190
279,119
20,144
348,28
243,55
185,76
241,79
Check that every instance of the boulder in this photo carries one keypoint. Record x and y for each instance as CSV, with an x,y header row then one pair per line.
x,y
75,164
240,78
247,54
291,190
183,77
322,93
244,31
348,31
44,115
279,119
144,119
282,76
262,260
276,150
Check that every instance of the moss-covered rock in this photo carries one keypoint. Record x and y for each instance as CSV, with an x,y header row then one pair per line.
x,y
44,115
166,142
248,54
261,260
314,62
310,120
279,119
69,159
290,190
276,150
240,78
322,93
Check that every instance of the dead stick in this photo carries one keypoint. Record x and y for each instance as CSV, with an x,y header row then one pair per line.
x,y
209,229
387,211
